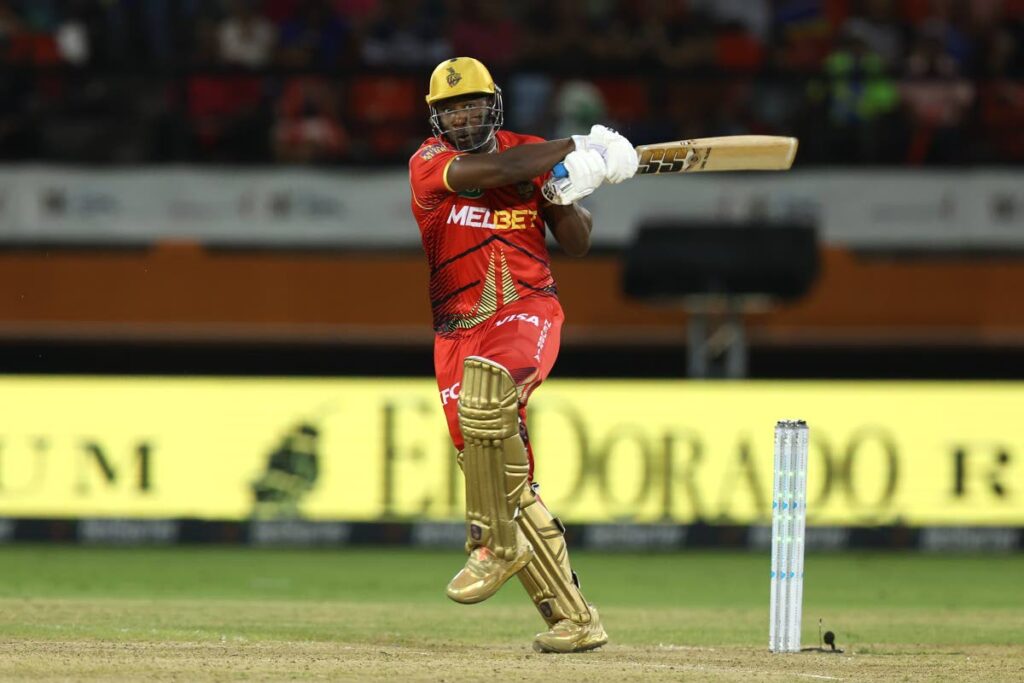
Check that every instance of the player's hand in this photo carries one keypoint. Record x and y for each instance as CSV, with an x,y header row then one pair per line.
x,y
586,169
585,143
619,155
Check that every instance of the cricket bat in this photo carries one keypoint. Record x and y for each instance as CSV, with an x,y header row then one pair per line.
x,y
705,155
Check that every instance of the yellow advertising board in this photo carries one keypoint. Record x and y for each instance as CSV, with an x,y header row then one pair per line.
x,y
366,449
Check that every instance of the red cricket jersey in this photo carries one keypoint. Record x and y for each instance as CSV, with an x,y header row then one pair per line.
x,y
485,248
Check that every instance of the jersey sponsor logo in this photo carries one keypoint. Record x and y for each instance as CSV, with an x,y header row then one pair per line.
x,y
532,319
429,153
472,193
450,393
502,219
542,339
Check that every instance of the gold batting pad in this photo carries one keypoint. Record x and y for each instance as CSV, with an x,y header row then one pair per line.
x,y
548,579
494,456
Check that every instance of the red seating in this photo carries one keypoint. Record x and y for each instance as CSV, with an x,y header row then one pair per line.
x,y
626,99
378,99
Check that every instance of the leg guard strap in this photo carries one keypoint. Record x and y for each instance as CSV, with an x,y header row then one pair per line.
x,y
551,583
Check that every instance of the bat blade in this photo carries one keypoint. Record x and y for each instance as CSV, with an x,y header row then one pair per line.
x,y
705,155
729,153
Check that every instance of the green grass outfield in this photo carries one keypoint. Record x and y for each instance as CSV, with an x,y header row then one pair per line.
x,y
226,613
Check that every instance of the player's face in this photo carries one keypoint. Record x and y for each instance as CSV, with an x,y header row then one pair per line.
x,y
466,121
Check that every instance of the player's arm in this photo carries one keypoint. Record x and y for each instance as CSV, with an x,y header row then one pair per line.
x,y
571,227
523,162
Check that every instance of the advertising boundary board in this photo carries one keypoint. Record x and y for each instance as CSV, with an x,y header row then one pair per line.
x,y
881,454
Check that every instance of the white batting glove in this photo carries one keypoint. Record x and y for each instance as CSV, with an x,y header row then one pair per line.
x,y
586,170
619,155
585,143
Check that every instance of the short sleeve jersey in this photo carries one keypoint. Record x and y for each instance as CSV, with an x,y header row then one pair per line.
x,y
485,248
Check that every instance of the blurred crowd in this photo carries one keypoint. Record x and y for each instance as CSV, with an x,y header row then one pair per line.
x,y
342,81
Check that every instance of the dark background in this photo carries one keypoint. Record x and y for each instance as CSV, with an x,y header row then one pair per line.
x,y
912,85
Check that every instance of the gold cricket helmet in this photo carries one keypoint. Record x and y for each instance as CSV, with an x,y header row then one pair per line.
x,y
459,76
464,77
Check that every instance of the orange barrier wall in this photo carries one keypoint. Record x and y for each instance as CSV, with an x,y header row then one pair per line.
x,y
183,291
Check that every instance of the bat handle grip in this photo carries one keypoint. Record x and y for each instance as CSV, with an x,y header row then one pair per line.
x,y
559,171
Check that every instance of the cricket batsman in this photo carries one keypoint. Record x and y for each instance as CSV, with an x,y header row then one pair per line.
x,y
483,198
